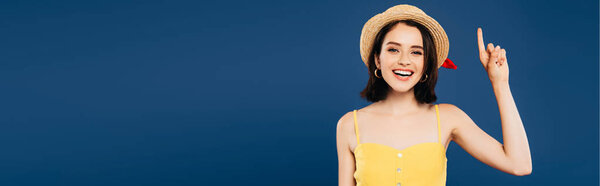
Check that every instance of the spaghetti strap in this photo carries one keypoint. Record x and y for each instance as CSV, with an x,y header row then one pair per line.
x,y
356,129
437,113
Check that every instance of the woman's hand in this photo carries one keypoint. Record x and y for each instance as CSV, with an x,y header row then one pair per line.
x,y
493,60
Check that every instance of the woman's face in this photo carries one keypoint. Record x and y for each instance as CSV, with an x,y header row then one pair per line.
x,y
401,59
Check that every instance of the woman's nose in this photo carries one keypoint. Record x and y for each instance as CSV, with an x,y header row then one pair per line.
x,y
403,59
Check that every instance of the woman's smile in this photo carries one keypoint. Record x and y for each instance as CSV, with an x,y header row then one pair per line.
x,y
403,74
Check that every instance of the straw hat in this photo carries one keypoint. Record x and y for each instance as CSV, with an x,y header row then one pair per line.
x,y
404,12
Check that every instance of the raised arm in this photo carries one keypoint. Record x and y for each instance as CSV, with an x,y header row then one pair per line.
x,y
513,156
346,164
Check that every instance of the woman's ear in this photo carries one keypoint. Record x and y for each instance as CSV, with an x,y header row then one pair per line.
x,y
377,62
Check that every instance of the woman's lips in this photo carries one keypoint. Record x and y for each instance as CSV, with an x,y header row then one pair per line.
x,y
402,78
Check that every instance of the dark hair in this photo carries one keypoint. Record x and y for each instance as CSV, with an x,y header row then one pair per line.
x,y
377,89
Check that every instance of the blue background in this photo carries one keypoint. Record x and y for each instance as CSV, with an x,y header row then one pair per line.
x,y
249,92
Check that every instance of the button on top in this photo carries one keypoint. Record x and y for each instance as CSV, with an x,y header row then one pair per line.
x,y
399,155
398,170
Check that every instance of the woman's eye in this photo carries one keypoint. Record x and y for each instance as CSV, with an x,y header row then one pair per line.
x,y
417,52
392,50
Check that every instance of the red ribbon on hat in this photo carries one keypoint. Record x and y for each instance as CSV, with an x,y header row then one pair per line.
x,y
448,64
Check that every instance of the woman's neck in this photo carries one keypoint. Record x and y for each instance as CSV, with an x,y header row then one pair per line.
x,y
399,103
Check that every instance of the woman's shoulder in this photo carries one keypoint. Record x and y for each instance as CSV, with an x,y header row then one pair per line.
x,y
346,121
345,128
366,109
452,115
450,109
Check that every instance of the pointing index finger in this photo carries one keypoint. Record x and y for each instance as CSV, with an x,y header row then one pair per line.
x,y
480,40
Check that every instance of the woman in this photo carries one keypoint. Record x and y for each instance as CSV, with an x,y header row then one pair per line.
x,y
401,138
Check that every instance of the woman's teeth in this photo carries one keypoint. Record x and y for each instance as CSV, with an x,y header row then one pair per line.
x,y
403,73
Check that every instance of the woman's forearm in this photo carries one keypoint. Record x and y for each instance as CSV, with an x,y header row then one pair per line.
x,y
516,146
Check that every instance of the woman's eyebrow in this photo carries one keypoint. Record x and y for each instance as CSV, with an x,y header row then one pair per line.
x,y
414,46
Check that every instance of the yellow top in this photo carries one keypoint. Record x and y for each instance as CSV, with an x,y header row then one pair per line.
x,y
422,164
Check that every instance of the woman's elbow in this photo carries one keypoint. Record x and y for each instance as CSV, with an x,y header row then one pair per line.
x,y
522,171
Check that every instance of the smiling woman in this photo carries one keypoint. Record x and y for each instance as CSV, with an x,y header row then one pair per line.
x,y
377,88
402,137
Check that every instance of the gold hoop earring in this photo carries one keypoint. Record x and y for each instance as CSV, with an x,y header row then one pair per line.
x,y
424,79
375,72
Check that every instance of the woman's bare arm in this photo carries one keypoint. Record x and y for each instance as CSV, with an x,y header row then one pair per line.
x,y
516,145
346,164
513,156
